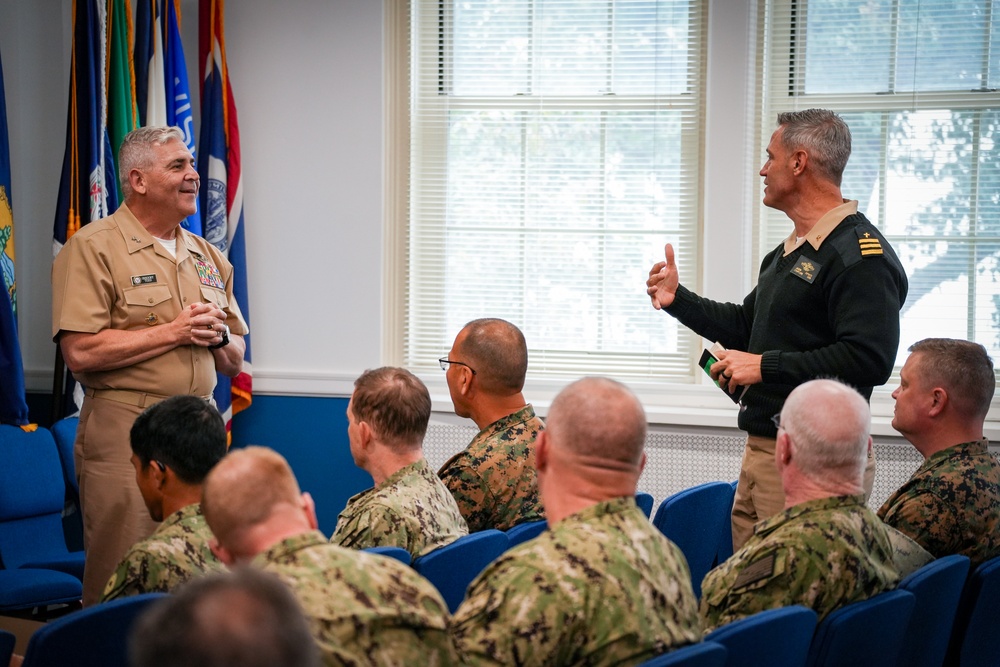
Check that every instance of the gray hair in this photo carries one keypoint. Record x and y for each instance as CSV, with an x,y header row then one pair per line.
x,y
136,151
598,417
823,135
828,424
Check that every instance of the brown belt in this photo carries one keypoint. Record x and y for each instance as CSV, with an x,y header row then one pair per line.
x,y
139,399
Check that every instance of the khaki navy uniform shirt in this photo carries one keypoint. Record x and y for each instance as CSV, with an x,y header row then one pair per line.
x,y
493,479
601,587
951,504
177,552
363,609
411,509
822,554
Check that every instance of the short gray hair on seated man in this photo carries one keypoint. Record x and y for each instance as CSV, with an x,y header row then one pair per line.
x,y
828,424
243,618
598,417
136,151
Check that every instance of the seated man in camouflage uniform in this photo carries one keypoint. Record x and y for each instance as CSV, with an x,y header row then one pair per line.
x,y
363,609
601,586
493,479
826,549
409,506
244,618
174,445
951,504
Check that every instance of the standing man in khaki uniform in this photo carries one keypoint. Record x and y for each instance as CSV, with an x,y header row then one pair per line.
x,y
142,310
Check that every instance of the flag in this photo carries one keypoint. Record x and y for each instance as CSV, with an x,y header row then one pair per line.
x,y
222,185
178,94
150,93
84,195
122,112
13,408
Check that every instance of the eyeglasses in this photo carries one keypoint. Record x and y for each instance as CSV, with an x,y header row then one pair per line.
x,y
776,420
444,361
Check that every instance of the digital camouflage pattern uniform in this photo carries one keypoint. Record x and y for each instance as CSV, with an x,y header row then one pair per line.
x,y
822,554
175,553
601,587
493,479
411,509
951,504
363,609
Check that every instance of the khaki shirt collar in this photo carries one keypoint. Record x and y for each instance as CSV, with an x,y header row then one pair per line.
x,y
823,226
136,236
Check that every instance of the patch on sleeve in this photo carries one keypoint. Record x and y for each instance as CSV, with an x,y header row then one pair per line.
x,y
868,243
756,571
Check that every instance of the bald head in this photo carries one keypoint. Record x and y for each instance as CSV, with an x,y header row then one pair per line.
x,y
828,424
599,418
244,490
496,349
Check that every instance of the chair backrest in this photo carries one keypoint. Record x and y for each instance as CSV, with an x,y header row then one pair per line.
x,y
525,531
973,643
773,638
869,632
702,654
96,636
937,588
64,432
726,538
453,567
693,519
399,553
32,496
645,502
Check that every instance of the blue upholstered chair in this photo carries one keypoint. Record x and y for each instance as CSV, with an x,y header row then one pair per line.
x,y
399,553
64,433
96,636
27,589
7,643
973,639
453,567
869,632
937,588
32,496
693,519
726,538
645,502
702,654
525,531
773,638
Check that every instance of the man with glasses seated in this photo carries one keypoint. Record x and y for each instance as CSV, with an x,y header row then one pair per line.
x,y
826,549
493,479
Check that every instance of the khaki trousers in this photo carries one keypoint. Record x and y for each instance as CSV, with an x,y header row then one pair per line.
x,y
759,494
114,514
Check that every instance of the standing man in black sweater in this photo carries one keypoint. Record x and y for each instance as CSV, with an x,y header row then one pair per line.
x,y
826,303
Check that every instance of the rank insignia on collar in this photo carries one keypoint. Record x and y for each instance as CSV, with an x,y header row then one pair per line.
x,y
152,319
806,269
869,244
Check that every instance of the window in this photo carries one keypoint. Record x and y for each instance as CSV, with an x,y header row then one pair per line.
x,y
917,82
554,147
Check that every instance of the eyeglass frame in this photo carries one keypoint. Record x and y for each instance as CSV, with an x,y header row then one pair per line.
x,y
444,361
776,420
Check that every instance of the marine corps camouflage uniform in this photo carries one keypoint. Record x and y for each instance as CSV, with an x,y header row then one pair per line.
x,y
411,509
493,479
951,504
822,554
176,552
363,609
601,587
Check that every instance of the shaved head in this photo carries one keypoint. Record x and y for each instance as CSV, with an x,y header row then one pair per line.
x,y
598,417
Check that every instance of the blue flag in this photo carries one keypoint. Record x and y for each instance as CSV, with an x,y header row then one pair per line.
x,y
178,94
220,168
13,409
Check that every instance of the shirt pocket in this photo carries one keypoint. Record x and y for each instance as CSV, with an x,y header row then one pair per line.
x,y
149,305
215,296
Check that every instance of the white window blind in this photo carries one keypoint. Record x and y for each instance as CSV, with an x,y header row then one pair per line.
x,y
554,148
917,82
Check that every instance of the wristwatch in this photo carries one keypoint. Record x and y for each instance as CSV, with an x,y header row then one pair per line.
x,y
225,339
